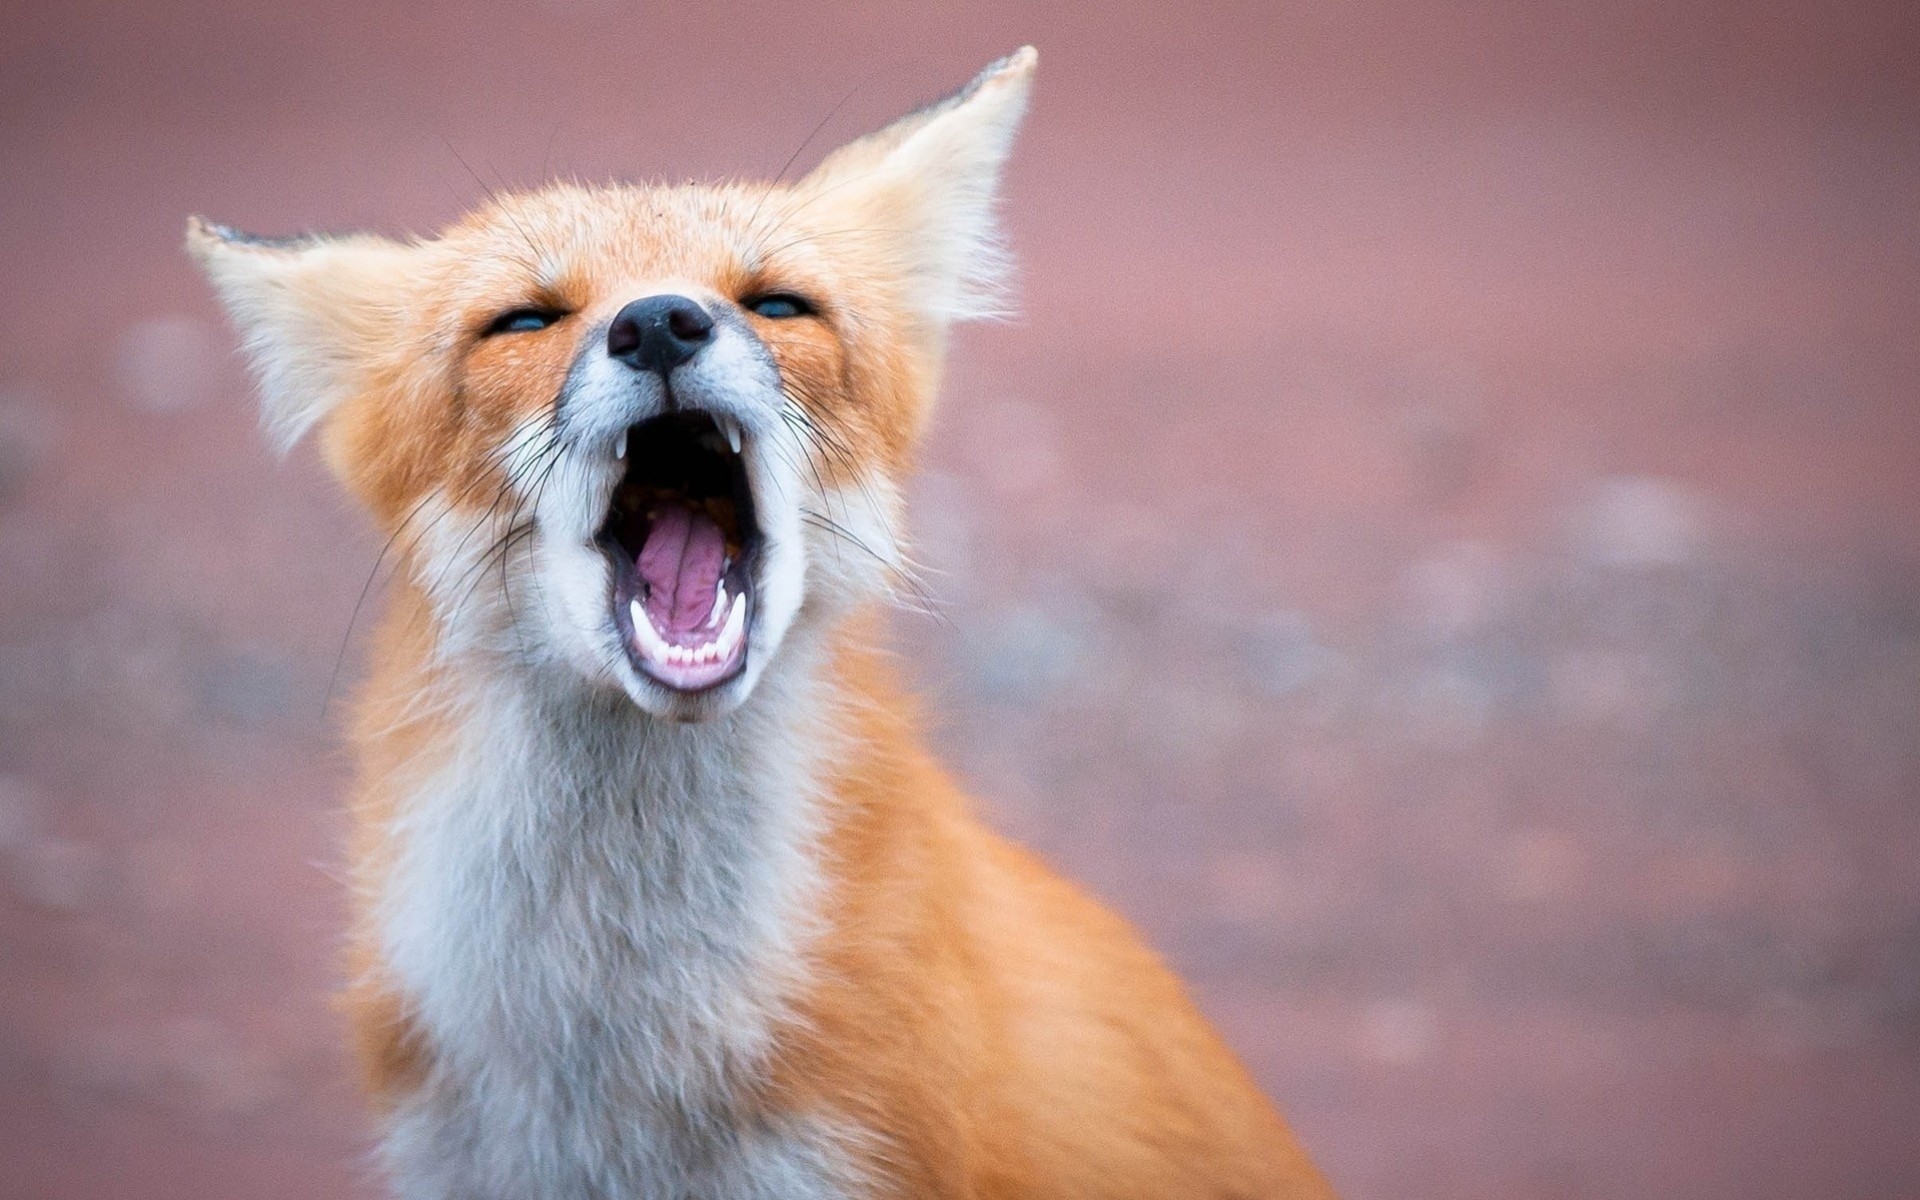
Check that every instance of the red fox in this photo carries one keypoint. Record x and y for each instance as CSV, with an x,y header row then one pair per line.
x,y
657,893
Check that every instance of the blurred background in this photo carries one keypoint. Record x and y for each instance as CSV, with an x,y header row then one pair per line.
x,y
1438,550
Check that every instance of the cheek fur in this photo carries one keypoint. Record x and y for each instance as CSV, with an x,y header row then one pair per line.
x,y
850,417
449,431
507,379
394,443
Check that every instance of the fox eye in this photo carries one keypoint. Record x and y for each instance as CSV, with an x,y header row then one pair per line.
x,y
522,320
780,305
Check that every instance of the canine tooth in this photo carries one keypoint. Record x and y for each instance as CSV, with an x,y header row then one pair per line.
x,y
651,643
719,602
731,428
736,624
620,447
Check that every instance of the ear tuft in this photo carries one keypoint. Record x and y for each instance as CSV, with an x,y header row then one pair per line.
x,y
1014,68
309,309
203,234
933,175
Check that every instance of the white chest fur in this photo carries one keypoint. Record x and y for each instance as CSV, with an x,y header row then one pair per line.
x,y
597,917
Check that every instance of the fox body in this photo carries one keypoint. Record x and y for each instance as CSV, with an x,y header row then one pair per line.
x,y
657,893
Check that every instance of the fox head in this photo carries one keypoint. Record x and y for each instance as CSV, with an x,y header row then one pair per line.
x,y
641,436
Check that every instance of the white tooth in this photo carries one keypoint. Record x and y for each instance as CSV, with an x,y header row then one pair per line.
x,y
620,447
719,603
736,623
651,643
732,429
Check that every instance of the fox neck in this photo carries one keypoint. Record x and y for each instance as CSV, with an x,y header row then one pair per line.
x,y
576,886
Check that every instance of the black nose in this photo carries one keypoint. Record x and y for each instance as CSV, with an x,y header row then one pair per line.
x,y
658,333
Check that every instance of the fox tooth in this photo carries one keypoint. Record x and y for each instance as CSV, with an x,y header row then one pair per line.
x,y
731,428
620,447
651,643
736,624
719,602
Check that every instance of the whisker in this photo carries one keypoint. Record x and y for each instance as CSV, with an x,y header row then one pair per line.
x,y
895,569
407,526
813,133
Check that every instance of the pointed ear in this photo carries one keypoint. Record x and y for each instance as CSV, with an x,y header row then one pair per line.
x,y
930,179
310,311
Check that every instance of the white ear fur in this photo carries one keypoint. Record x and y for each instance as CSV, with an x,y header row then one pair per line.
x,y
309,312
932,176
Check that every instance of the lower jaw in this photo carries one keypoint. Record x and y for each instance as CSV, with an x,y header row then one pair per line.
x,y
679,675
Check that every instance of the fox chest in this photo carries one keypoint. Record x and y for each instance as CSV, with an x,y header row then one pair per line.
x,y
599,992
476,1138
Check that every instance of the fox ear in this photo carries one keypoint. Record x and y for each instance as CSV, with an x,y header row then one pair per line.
x,y
931,178
309,310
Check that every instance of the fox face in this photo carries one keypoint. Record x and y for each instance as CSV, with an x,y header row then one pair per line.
x,y
637,437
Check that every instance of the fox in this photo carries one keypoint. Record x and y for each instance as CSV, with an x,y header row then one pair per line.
x,y
656,890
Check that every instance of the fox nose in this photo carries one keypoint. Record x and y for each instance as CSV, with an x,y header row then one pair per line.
x,y
658,333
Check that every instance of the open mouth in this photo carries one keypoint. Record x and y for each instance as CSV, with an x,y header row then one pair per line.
x,y
681,536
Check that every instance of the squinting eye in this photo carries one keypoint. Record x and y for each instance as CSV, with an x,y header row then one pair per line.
x,y
522,320
779,305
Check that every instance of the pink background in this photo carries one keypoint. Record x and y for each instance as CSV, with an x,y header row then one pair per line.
x,y
1439,550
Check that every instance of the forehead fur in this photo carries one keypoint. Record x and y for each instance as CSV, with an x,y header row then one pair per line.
x,y
571,235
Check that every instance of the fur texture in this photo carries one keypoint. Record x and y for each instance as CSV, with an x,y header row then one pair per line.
x,y
616,940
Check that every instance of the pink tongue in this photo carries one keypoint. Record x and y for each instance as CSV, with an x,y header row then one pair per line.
x,y
681,565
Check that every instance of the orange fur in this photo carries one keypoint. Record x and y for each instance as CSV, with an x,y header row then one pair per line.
x,y
1013,1037
990,1030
